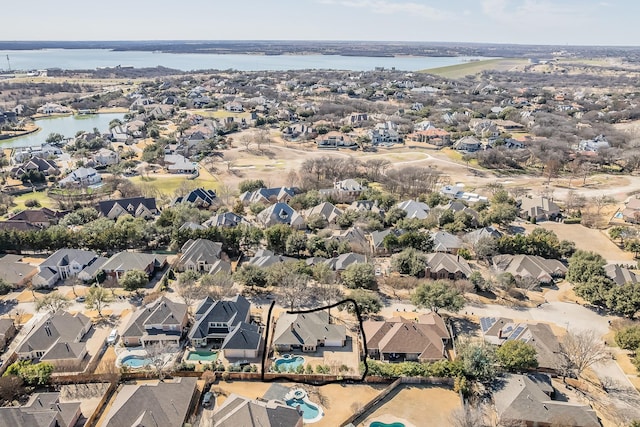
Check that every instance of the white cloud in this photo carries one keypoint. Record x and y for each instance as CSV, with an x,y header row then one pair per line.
x,y
389,7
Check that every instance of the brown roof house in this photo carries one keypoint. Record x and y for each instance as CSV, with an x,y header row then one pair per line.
x,y
120,263
162,321
399,339
14,271
307,332
166,403
519,400
441,265
240,411
57,339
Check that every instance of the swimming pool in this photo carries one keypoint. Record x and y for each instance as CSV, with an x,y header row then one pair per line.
x,y
379,424
202,356
289,363
135,362
309,410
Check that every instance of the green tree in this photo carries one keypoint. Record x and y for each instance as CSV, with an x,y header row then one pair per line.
x,y
296,243
52,302
134,279
250,185
368,302
629,338
98,298
394,215
410,261
625,299
478,361
418,240
32,374
517,356
276,236
316,222
251,275
584,266
436,295
359,276
5,288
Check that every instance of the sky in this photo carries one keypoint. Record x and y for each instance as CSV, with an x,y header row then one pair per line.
x,y
557,22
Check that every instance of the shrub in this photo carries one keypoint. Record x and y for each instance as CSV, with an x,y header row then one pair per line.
x,y
628,338
32,203
572,220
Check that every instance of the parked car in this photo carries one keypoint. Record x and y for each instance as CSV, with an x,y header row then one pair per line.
x,y
80,299
113,336
208,397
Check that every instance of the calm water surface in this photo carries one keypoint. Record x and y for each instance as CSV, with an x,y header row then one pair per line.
x,y
87,59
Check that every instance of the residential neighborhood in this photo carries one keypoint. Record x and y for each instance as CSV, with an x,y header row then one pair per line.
x,y
340,248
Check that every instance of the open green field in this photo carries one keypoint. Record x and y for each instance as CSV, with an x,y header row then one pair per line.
x,y
475,67
41,196
168,185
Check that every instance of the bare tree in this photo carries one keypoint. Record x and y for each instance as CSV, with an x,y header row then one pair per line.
x,y
161,355
189,289
219,285
225,191
601,201
467,416
580,350
293,290
376,167
52,302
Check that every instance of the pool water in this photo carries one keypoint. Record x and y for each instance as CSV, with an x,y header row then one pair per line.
x,y
379,424
135,361
309,410
289,364
202,356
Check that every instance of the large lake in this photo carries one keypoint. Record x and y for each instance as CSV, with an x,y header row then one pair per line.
x,y
67,126
88,59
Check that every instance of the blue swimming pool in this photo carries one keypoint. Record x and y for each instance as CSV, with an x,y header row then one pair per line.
x,y
310,411
289,363
135,361
379,424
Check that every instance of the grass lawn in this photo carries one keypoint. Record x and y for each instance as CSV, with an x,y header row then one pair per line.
x,y
40,196
169,184
475,67
219,114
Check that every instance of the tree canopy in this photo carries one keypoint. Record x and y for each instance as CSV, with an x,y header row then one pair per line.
x,y
436,295
517,356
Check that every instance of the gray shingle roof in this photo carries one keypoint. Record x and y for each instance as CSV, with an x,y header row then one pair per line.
x,y
232,312
61,327
162,311
307,328
65,256
239,411
161,404
200,250
126,261
243,336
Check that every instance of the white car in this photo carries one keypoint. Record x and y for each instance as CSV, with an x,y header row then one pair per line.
x,y
113,336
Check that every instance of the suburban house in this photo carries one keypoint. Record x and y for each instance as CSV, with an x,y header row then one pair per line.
x,y
398,339
226,219
345,191
81,177
520,400
540,208
356,238
120,263
199,255
414,209
457,192
241,411
378,239
475,236
177,163
530,267
442,265
162,321
497,331
432,135
631,211
106,157
225,324
138,207
43,217
57,339
62,264
307,332
90,272
268,195
334,140
365,206
469,144
342,261
281,213
619,274
41,410
445,242
199,197
7,332
326,210
161,403
264,258
38,164
15,272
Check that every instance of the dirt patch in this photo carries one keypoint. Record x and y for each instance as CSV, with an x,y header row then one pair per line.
x,y
420,405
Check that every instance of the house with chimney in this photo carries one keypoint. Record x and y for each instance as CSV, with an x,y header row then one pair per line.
x,y
160,322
